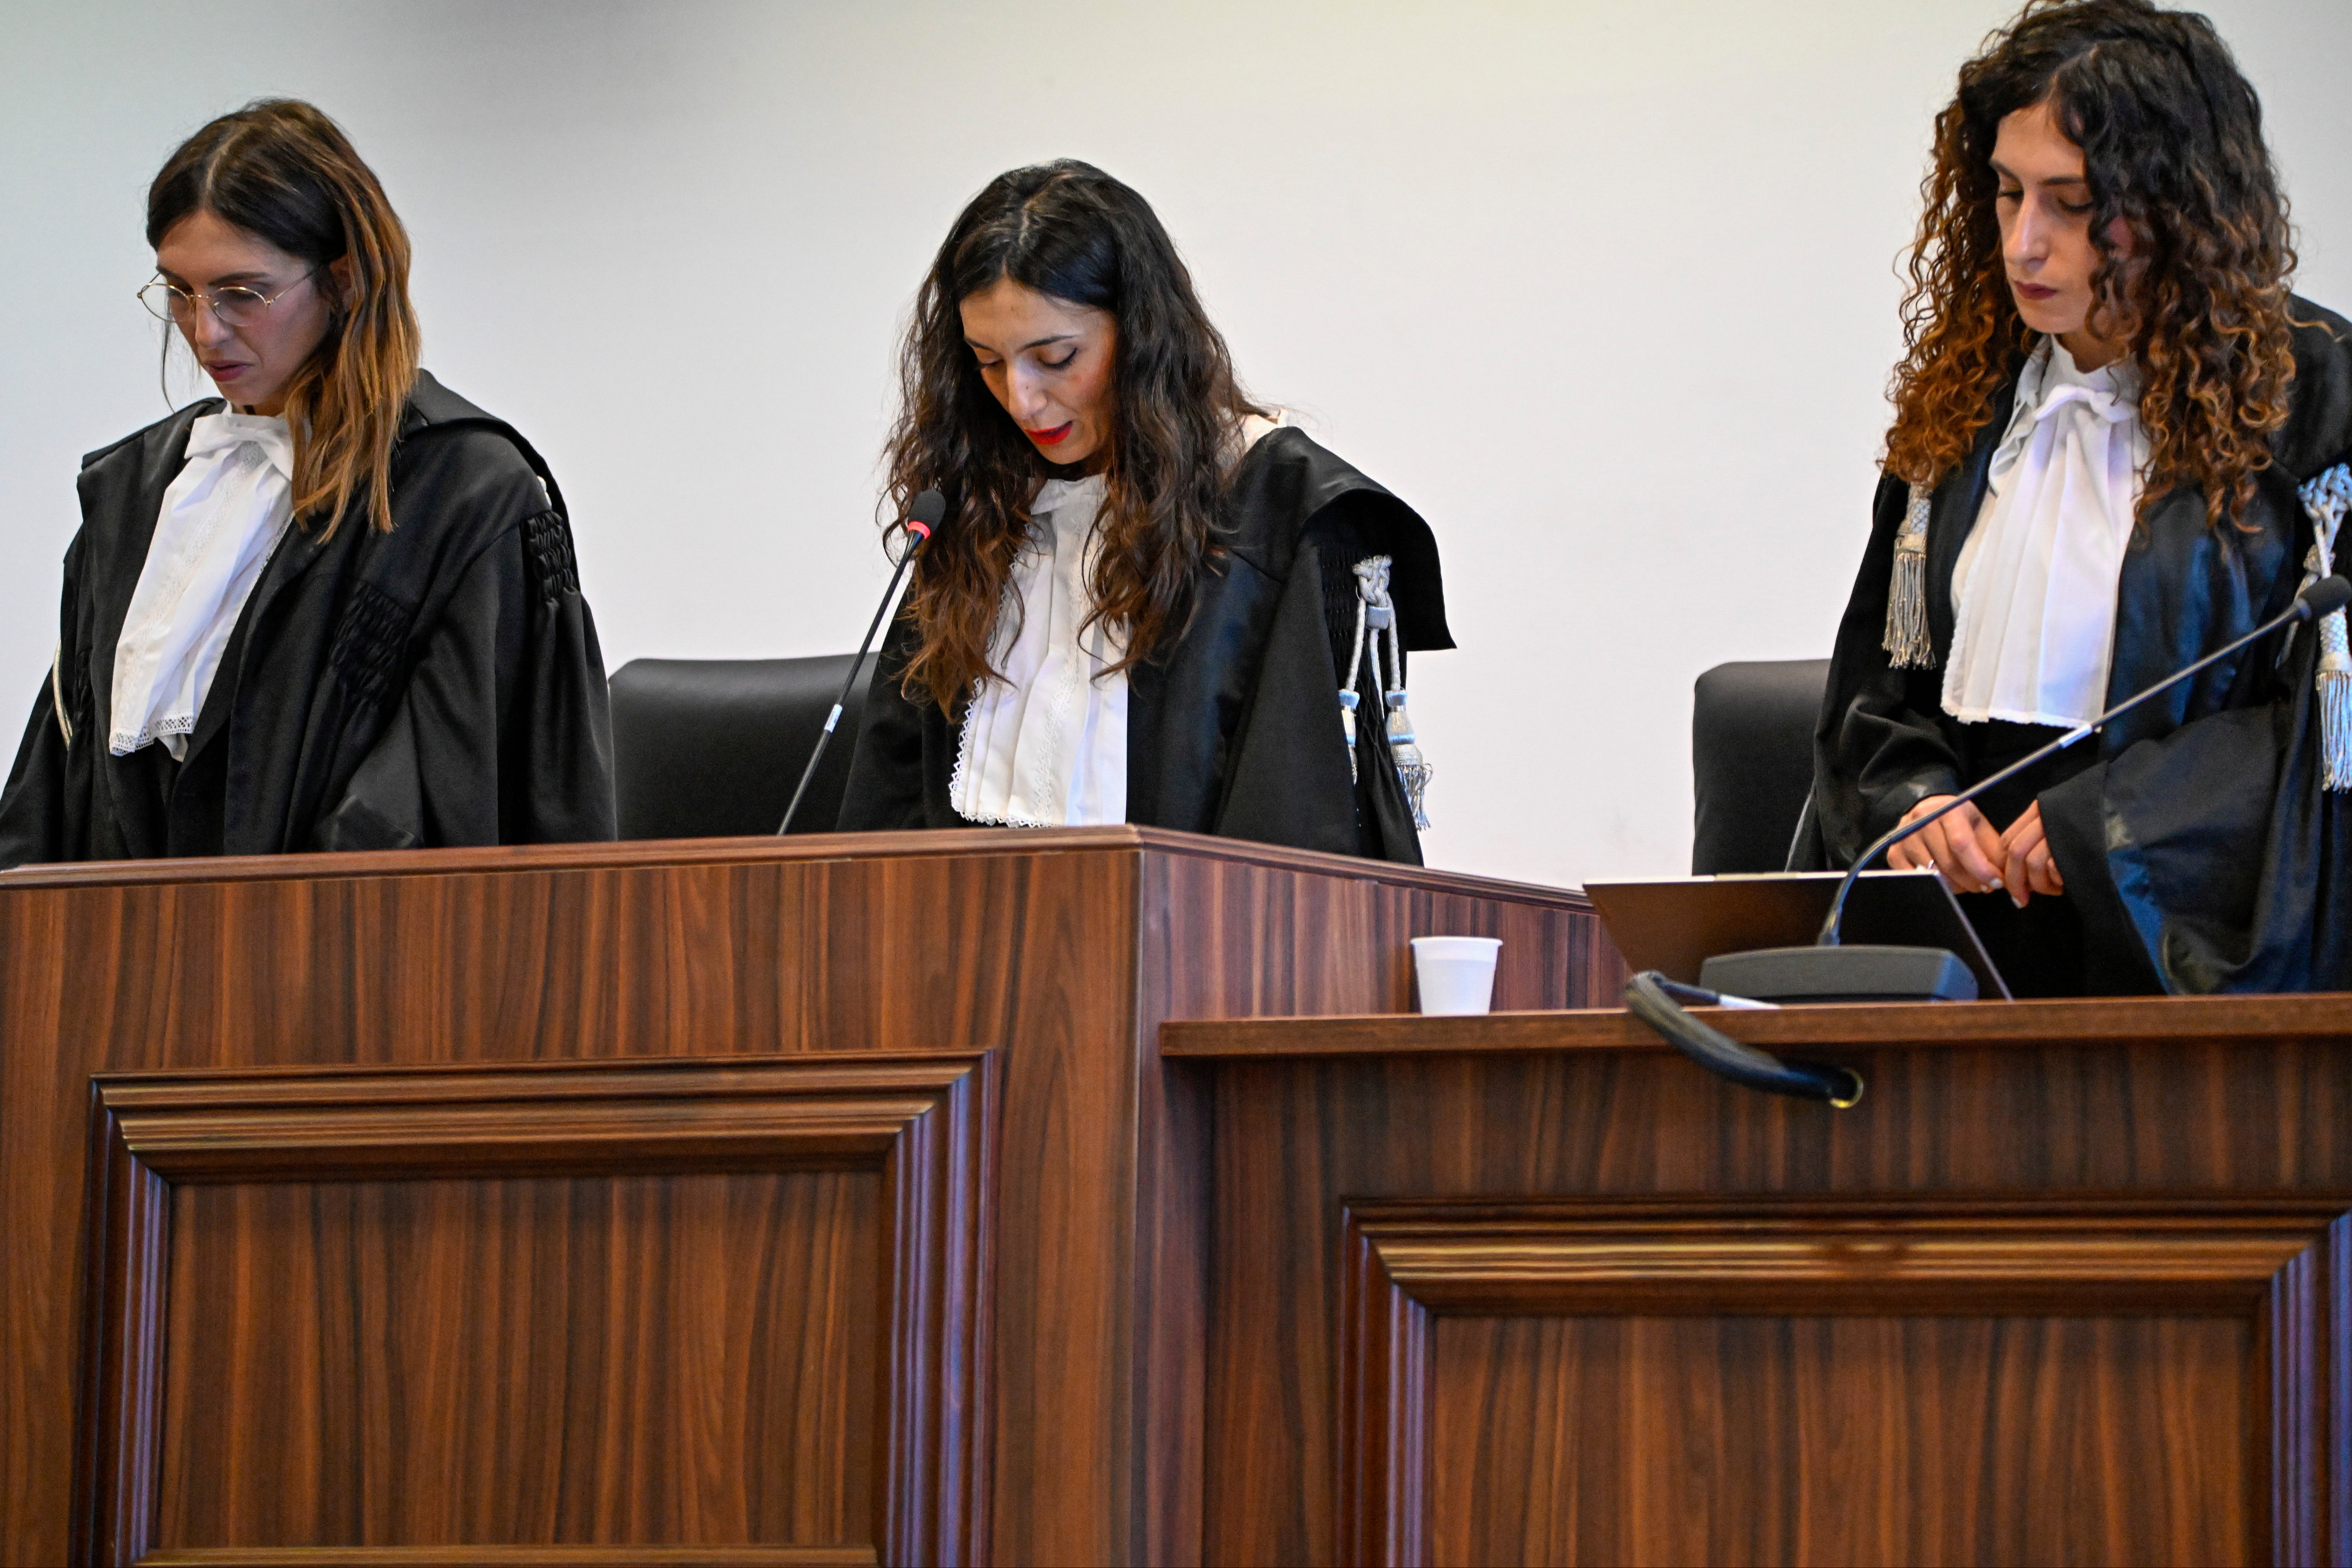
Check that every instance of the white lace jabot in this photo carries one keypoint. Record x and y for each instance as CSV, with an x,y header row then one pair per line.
x,y
2034,593
1046,746
221,517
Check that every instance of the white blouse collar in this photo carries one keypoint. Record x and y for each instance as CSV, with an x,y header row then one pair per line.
x,y
2035,586
220,518
1056,494
2051,381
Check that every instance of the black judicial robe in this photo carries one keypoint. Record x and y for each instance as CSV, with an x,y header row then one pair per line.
x,y
1233,726
2198,846
436,685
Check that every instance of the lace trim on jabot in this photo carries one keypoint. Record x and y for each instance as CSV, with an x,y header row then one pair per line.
x,y
963,763
1053,495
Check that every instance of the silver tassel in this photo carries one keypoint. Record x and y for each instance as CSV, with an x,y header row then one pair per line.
x,y
1412,768
2334,682
1376,615
2324,500
1907,642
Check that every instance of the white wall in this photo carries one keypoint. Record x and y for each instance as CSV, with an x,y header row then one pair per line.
x,y
1605,288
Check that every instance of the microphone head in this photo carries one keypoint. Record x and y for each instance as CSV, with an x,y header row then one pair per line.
x,y
2325,596
924,514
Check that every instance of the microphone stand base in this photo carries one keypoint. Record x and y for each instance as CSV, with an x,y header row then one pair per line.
x,y
1852,973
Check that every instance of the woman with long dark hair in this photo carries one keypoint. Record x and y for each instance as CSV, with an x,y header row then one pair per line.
x,y
334,607
2119,442
1152,601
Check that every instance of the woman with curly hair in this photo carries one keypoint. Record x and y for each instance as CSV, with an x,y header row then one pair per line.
x,y
333,607
2119,442
1152,601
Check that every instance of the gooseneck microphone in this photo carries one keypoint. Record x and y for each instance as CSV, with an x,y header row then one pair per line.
x,y
2323,597
923,515
1828,971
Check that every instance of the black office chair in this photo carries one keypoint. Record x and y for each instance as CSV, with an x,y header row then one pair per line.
x,y
710,748
1752,761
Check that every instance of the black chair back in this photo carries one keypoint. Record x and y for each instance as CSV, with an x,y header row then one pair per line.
x,y
1752,761
710,748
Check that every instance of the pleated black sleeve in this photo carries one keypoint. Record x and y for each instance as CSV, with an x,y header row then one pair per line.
x,y
440,684
500,733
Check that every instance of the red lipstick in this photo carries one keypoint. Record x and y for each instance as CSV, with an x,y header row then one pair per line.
x,y
1054,437
2034,290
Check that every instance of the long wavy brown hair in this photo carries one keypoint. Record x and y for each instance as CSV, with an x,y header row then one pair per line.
x,y
2171,134
1070,231
280,169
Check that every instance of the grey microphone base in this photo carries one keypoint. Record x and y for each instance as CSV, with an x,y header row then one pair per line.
x,y
1856,973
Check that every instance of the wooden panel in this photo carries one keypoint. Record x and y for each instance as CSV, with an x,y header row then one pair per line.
x,y
771,1340
1230,939
1870,1440
2172,1119
1029,944
1511,1394
1234,937
651,1360
730,953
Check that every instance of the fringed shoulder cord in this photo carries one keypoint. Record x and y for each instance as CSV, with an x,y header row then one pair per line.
x,y
2324,500
1906,643
1375,614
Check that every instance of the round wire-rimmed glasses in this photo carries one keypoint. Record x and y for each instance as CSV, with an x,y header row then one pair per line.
x,y
235,305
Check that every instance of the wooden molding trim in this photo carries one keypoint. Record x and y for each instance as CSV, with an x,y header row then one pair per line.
x,y
926,1123
767,849
514,1557
2205,1020
2285,1267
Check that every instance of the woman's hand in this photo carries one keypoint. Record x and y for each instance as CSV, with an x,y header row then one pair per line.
x,y
1962,846
2025,858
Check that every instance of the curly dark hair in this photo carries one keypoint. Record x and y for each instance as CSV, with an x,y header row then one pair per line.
x,y
1070,231
2171,134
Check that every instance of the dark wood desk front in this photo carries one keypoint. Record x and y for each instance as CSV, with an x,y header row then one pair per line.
x,y
755,1202
2072,1284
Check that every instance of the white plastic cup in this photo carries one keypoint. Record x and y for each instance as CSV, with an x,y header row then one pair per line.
x,y
1456,973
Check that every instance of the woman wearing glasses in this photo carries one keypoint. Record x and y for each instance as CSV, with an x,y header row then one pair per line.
x,y
1148,603
2119,442
334,608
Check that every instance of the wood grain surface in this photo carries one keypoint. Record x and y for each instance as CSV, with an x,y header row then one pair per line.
x,y
2261,1021
646,1360
1063,951
1774,1440
766,850
772,1341
2034,1300
1487,1345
